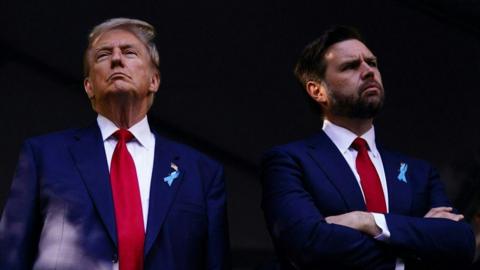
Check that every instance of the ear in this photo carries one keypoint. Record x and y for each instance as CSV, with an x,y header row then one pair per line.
x,y
154,82
317,90
88,88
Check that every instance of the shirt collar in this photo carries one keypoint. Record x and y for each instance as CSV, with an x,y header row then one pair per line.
x,y
141,131
343,138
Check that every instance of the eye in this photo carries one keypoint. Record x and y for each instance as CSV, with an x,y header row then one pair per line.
x,y
130,52
101,55
350,65
372,62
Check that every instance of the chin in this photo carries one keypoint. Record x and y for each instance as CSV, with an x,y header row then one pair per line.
x,y
121,86
123,91
374,100
119,94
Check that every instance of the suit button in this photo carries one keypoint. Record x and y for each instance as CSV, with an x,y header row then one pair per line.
x,y
115,258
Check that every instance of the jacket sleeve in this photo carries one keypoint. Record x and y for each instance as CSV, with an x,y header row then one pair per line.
x,y
435,241
299,229
19,225
218,246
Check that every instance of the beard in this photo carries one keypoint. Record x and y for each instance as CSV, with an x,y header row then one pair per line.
x,y
356,105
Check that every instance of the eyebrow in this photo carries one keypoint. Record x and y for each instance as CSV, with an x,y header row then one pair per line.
x,y
110,47
356,60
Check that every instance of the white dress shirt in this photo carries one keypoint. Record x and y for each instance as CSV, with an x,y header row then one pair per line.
x,y
142,150
343,139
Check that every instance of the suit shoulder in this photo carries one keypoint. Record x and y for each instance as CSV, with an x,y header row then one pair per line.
x,y
52,138
291,148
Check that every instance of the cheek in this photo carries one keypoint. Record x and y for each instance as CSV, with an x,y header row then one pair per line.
x,y
344,85
143,77
138,69
98,73
97,79
143,74
379,76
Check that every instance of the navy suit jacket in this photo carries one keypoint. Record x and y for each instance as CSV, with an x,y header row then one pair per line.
x,y
60,215
306,181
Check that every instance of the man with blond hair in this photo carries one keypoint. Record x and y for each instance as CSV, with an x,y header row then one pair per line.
x,y
115,195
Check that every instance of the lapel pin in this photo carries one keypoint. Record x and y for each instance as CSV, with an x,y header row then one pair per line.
x,y
173,175
402,171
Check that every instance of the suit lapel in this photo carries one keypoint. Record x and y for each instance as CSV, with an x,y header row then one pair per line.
x,y
88,153
330,160
161,194
399,193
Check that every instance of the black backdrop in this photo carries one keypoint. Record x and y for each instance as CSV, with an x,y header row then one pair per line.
x,y
227,85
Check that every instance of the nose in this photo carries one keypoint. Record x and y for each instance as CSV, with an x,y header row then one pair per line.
x,y
367,70
117,58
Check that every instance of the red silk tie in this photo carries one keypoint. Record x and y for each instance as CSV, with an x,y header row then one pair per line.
x,y
369,180
127,203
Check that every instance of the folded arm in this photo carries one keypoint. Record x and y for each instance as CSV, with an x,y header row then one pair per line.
x,y
440,236
302,232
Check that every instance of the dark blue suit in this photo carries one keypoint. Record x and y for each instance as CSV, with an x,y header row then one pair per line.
x,y
59,214
306,181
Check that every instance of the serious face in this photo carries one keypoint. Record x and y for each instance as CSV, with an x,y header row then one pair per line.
x,y
120,66
352,81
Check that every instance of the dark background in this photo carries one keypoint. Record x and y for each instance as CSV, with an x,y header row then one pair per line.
x,y
227,84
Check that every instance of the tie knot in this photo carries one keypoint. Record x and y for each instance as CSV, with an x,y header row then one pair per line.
x,y
123,135
359,144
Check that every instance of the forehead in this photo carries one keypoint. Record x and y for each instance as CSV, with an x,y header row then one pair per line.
x,y
347,49
116,37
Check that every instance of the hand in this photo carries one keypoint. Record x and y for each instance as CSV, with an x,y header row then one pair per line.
x,y
443,212
358,220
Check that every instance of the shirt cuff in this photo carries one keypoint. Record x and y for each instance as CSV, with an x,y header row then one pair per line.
x,y
382,224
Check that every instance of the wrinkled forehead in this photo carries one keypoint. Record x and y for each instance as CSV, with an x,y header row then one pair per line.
x,y
116,38
348,49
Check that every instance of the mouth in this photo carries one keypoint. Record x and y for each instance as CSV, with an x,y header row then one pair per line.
x,y
371,88
117,75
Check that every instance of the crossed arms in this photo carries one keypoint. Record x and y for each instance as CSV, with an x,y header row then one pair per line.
x,y
364,221
300,220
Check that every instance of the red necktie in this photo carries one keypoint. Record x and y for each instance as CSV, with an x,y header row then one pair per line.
x,y
128,207
369,180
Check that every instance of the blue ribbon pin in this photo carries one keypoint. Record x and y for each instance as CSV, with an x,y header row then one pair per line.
x,y
172,176
401,175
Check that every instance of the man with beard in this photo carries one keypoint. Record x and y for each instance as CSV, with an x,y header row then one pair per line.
x,y
337,200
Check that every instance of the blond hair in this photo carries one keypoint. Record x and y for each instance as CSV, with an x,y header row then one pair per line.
x,y
144,31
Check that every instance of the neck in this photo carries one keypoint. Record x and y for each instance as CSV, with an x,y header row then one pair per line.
x,y
123,113
355,125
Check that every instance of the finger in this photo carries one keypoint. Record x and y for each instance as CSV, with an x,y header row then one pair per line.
x,y
442,208
331,219
441,214
459,217
447,215
430,213
454,217
436,210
